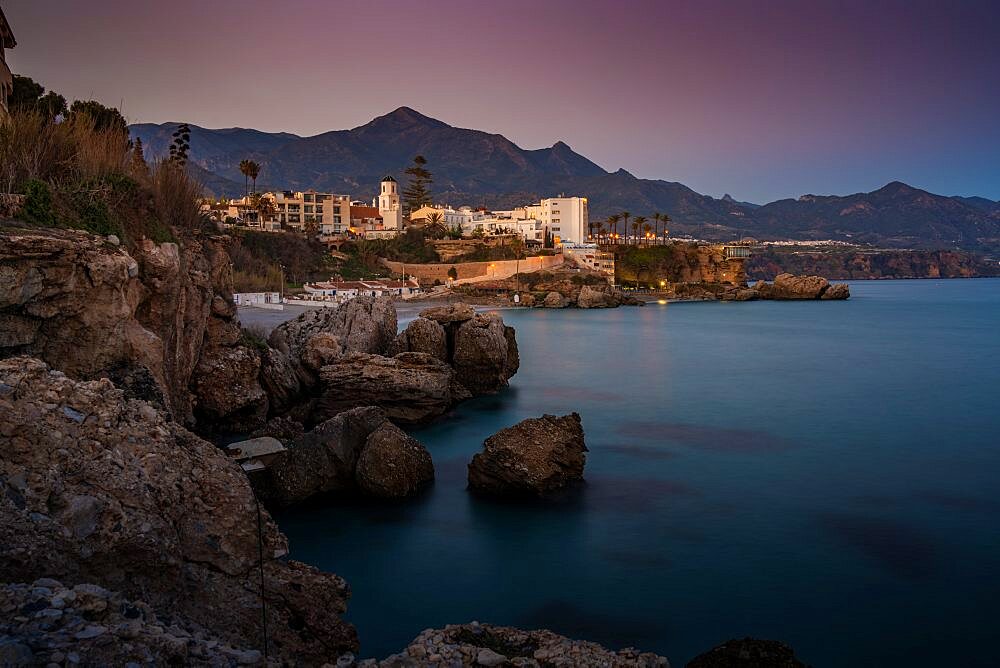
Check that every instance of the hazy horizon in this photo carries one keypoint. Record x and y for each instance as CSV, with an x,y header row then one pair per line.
x,y
762,103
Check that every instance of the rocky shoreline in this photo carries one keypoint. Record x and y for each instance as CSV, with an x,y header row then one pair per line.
x,y
127,537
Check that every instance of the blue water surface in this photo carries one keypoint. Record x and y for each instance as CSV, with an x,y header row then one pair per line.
x,y
824,473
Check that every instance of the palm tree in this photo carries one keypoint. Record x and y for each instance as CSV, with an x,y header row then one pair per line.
x,y
647,228
625,216
665,219
254,172
636,226
435,225
266,208
657,217
245,171
613,223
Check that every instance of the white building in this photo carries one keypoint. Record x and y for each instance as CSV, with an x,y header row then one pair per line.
x,y
388,205
564,217
343,290
590,256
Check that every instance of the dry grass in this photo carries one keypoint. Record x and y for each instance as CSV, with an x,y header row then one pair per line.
x,y
77,176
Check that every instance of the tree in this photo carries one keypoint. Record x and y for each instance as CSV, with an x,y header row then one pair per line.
x,y
647,232
103,118
417,192
453,273
245,171
254,173
625,216
267,208
435,226
657,217
613,223
180,145
311,228
665,219
29,96
137,161
635,228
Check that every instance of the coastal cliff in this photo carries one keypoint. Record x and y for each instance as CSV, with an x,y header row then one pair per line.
x,y
865,264
158,319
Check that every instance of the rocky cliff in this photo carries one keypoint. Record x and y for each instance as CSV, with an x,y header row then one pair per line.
x,y
646,266
99,488
159,320
846,264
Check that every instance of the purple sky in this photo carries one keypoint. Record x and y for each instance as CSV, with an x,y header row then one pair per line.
x,y
762,100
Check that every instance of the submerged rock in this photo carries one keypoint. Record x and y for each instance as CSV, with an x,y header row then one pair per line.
x,y
534,457
748,653
591,297
105,490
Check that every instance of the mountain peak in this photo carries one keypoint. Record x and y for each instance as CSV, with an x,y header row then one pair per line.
x,y
897,188
404,117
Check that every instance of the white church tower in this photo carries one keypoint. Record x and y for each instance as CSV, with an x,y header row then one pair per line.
x,y
388,205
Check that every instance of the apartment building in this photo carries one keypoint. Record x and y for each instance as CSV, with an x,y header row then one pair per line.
x,y
564,217
331,214
7,41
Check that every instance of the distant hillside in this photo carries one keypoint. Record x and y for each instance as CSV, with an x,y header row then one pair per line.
x,y
479,168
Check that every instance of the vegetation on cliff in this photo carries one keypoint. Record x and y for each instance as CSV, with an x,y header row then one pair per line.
x,y
84,173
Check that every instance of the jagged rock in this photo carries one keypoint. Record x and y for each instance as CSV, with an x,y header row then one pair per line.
x,y
321,460
279,380
230,398
591,297
392,464
487,645
361,325
283,428
837,291
423,335
449,313
119,631
553,300
787,286
100,489
89,308
412,388
533,457
748,653
485,353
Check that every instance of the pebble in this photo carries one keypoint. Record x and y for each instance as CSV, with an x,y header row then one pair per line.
x,y
488,657
91,632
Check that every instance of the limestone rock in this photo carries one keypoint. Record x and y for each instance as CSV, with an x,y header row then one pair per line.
x,y
423,335
533,457
279,380
393,464
322,460
449,313
412,388
788,286
554,300
104,490
230,398
485,353
591,297
487,645
837,291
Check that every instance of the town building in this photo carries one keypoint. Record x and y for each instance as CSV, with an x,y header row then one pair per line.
x,y
564,217
590,256
7,41
389,208
327,213
344,290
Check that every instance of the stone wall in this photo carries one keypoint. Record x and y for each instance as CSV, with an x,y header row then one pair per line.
x,y
428,273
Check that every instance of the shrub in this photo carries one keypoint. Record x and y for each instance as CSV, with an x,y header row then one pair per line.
x,y
38,203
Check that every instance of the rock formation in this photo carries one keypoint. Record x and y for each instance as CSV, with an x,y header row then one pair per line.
x,y
553,300
412,388
357,450
49,623
787,286
161,313
534,457
748,653
487,645
392,464
102,489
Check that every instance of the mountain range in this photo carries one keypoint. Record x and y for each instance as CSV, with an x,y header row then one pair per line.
x,y
483,169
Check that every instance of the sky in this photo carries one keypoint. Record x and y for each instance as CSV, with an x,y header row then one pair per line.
x,y
762,100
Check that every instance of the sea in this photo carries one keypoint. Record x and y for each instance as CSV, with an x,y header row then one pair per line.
x,y
826,474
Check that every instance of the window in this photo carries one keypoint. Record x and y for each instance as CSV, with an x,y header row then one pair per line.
x,y
308,208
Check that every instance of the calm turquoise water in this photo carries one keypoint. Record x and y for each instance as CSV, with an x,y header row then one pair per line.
x,y
827,474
